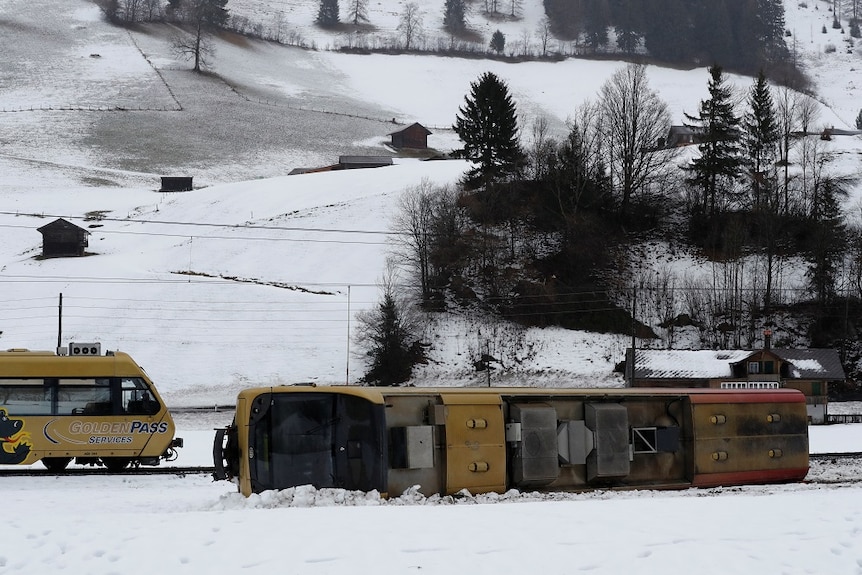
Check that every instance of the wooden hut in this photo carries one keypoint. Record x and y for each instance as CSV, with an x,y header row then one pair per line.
x,y
176,184
414,136
62,239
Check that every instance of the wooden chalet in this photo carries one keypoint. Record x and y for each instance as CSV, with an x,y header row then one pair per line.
x,y
61,239
808,370
414,136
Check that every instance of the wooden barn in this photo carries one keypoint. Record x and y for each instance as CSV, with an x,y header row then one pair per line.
x,y
176,184
62,239
414,136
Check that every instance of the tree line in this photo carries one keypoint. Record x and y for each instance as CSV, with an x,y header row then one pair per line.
x,y
745,35
544,232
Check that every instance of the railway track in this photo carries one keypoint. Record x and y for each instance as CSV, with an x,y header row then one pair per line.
x,y
82,471
826,469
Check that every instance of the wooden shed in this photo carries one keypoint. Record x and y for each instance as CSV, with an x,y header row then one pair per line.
x,y
63,239
355,162
414,136
176,184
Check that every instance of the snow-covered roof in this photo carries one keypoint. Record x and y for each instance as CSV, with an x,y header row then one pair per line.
x,y
686,363
709,364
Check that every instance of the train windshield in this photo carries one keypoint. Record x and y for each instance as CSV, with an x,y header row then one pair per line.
x,y
319,439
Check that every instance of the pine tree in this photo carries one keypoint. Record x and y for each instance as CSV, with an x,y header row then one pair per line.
x,y
358,11
826,246
487,123
717,127
859,120
498,42
760,137
387,331
327,14
595,24
454,16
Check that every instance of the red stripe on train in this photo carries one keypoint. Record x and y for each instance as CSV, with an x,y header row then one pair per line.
x,y
749,477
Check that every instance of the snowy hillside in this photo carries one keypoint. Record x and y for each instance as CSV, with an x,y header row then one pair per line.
x,y
255,277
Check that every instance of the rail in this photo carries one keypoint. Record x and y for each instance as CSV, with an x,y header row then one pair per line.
x,y
844,418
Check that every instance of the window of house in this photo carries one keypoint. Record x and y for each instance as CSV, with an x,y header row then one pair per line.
x,y
753,367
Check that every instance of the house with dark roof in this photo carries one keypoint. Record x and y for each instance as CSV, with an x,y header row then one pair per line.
x,y
61,238
808,370
414,136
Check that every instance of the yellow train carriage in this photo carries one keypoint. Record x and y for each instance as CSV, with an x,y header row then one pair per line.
x,y
96,409
493,439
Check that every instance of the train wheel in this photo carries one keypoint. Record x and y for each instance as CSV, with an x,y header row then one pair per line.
x,y
115,464
55,464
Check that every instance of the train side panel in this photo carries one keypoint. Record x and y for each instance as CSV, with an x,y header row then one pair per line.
x,y
492,440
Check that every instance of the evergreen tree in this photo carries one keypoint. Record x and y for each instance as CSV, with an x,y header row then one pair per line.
x,y
498,42
826,246
770,15
667,29
576,177
327,14
859,120
717,127
595,23
454,16
387,331
487,123
627,24
358,11
760,137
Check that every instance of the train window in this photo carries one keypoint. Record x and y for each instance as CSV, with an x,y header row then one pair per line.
x,y
26,397
326,440
84,396
137,399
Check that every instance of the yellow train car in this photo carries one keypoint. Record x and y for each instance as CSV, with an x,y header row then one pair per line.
x,y
494,439
93,408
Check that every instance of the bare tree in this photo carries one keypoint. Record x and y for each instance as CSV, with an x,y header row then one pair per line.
x,y
205,16
634,120
543,32
427,225
786,103
154,9
410,24
540,149
525,42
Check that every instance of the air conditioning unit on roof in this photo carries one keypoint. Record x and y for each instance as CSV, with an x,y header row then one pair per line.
x,y
85,348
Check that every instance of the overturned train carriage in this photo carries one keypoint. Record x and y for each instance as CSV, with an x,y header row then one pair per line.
x,y
492,440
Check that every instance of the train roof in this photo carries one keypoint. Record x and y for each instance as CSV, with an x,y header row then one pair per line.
x,y
698,395
25,363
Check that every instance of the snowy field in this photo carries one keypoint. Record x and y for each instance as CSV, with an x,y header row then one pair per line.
x,y
256,277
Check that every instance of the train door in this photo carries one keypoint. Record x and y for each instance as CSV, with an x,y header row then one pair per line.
x,y
475,443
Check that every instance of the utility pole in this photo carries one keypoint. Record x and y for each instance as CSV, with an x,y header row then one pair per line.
x,y
347,363
60,323
634,332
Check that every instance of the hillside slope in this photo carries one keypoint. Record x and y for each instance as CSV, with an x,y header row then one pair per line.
x,y
255,278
